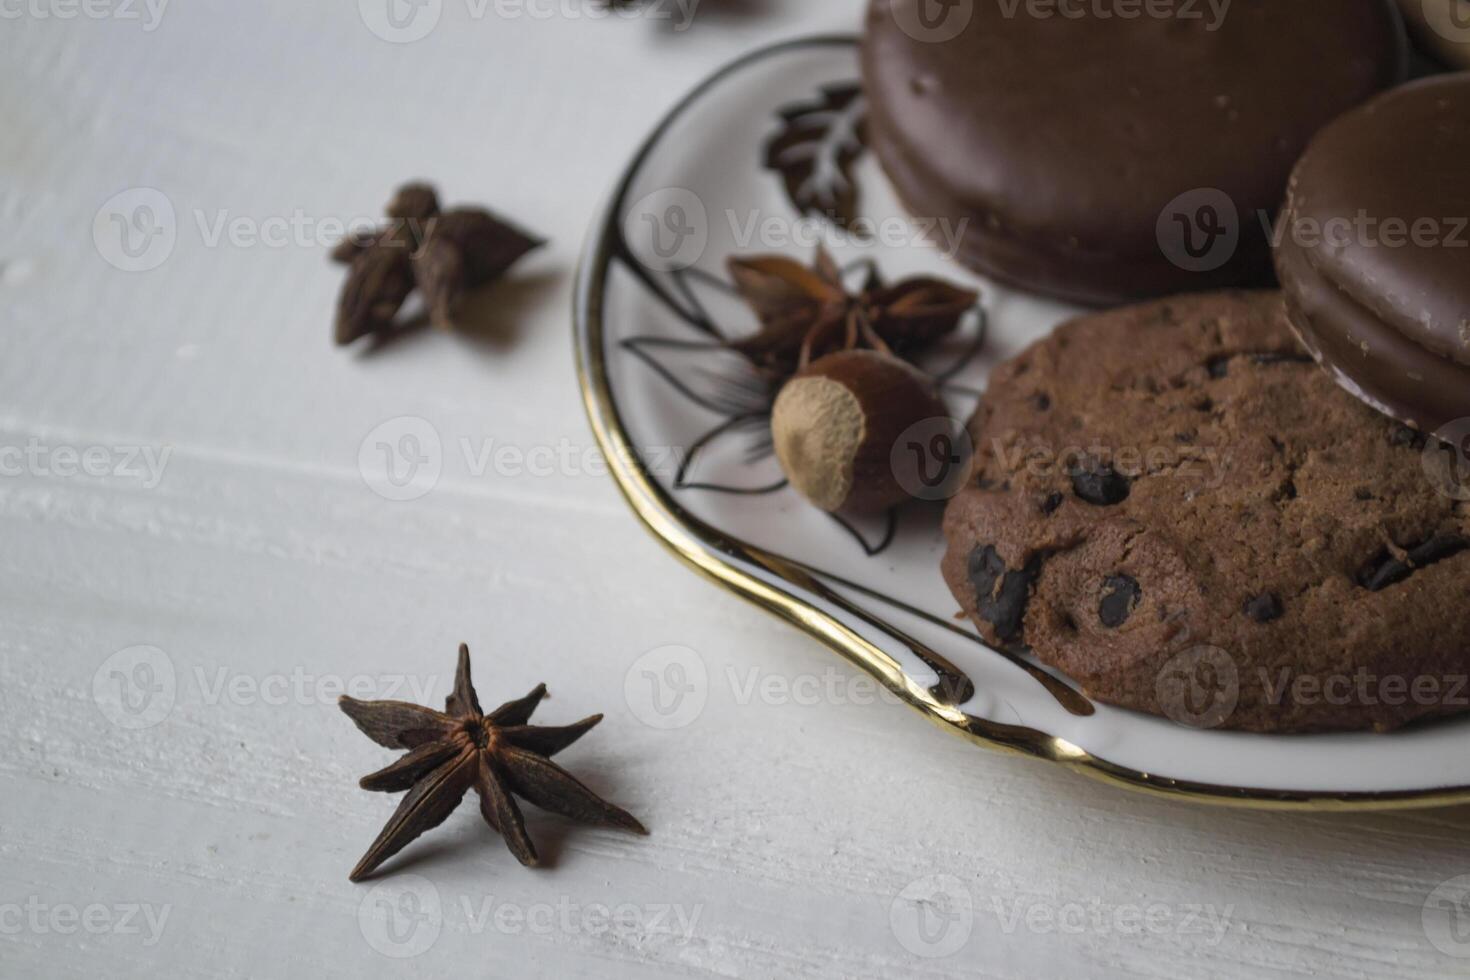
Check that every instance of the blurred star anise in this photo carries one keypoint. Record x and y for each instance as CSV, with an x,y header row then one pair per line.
x,y
443,253
499,754
805,313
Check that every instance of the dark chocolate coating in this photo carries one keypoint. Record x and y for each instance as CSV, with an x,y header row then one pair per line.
x,y
1373,251
1062,139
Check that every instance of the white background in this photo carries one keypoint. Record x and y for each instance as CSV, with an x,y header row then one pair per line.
x,y
800,826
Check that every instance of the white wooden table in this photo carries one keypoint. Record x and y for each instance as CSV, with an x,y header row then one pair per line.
x,y
192,566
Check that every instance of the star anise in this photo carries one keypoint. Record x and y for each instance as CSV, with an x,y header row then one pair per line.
x,y
443,253
499,754
805,313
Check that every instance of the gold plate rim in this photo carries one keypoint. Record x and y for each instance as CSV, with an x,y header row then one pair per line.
x,y
707,551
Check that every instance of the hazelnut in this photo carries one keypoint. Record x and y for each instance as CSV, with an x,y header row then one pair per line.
x,y
836,422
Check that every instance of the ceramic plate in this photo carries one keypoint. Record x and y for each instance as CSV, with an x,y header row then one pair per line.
x,y
684,424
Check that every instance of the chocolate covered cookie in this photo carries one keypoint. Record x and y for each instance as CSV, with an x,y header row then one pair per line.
x,y
1373,251
1176,508
1105,152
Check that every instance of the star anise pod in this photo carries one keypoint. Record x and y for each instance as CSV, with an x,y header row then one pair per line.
x,y
498,754
806,313
442,253
380,275
465,249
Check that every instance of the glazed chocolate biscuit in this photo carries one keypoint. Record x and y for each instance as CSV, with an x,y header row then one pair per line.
x,y
1373,251
1061,131
1176,508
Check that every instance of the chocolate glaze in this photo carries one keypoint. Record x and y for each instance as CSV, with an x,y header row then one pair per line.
x,y
1061,139
1386,311
1371,360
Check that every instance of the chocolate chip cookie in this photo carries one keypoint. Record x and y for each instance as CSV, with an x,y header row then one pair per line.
x,y
1175,507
